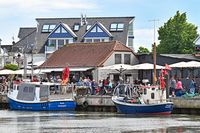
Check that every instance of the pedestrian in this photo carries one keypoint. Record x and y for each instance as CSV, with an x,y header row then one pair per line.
x,y
179,88
93,86
172,86
192,86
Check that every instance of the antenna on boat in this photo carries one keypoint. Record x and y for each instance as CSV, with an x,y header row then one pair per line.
x,y
154,51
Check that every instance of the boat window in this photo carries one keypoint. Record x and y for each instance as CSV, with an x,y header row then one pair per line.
x,y
44,91
152,89
145,91
26,92
152,95
31,89
25,89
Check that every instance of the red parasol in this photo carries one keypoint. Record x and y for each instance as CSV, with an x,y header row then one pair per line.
x,y
65,75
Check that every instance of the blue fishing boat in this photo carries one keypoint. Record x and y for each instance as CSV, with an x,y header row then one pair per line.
x,y
36,96
141,100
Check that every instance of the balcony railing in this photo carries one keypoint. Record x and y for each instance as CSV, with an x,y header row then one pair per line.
x,y
50,49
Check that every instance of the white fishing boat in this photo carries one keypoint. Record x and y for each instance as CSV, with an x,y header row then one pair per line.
x,y
37,96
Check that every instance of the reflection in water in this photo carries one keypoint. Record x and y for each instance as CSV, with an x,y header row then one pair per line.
x,y
93,122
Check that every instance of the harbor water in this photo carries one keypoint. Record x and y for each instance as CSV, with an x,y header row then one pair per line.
x,y
95,122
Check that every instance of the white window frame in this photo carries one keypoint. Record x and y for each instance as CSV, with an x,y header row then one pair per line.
x,y
102,39
76,27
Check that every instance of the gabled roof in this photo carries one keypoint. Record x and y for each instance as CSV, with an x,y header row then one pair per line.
x,y
25,41
24,31
84,54
66,27
101,27
105,21
181,56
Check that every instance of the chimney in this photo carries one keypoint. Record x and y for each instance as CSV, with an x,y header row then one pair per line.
x,y
85,21
82,20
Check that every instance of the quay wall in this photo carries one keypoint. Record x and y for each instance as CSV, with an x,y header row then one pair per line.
x,y
104,104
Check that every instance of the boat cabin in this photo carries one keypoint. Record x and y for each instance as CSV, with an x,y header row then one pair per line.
x,y
35,91
140,94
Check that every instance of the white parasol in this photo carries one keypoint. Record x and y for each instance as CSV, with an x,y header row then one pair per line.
x,y
146,66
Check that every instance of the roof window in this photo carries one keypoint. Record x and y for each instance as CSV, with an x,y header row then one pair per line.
x,y
48,27
117,27
76,27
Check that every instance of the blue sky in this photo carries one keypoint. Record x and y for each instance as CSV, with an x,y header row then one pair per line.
x,y
22,13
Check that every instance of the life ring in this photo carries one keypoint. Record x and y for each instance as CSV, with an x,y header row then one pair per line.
x,y
85,104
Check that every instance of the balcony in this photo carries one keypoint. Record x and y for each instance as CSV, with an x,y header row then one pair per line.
x,y
50,49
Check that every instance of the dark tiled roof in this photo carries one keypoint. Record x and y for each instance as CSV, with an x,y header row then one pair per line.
x,y
105,21
24,31
84,54
182,56
25,41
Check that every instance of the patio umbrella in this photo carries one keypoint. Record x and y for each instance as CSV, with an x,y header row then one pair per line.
x,y
21,71
192,64
181,64
118,67
6,72
146,66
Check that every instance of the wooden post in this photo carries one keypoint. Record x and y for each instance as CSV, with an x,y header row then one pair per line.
x,y
154,64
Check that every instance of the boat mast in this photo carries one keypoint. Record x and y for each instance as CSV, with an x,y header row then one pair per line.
x,y
154,64
154,52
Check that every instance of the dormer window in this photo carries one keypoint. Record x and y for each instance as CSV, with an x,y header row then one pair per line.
x,y
48,27
76,27
117,27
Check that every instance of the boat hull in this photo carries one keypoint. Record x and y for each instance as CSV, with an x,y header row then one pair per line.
x,y
128,108
43,106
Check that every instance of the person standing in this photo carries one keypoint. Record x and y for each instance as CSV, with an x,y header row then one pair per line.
x,y
172,86
192,87
179,88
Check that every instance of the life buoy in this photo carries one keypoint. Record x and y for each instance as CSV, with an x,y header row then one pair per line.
x,y
85,104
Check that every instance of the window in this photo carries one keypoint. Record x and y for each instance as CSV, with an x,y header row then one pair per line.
x,y
58,30
152,95
63,30
76,27
48,27
60,43
97,40
127,59
52,43
99,30
88,26
88,40
118,59
117,27
94,29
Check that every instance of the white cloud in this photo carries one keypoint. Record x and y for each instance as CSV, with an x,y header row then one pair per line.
x,y
45,5
144,37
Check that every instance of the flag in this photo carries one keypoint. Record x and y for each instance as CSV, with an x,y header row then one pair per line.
x,y
65,76
164,72
167,67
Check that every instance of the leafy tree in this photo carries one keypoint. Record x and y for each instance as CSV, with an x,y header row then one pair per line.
x,y
143,50
11,66
177,36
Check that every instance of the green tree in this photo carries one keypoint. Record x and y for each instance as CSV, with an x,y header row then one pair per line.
x,y
143,50
177,36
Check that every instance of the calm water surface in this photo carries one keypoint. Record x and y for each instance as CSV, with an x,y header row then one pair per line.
x,y
94,122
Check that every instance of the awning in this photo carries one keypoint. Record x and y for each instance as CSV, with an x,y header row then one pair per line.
x,y
75,69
